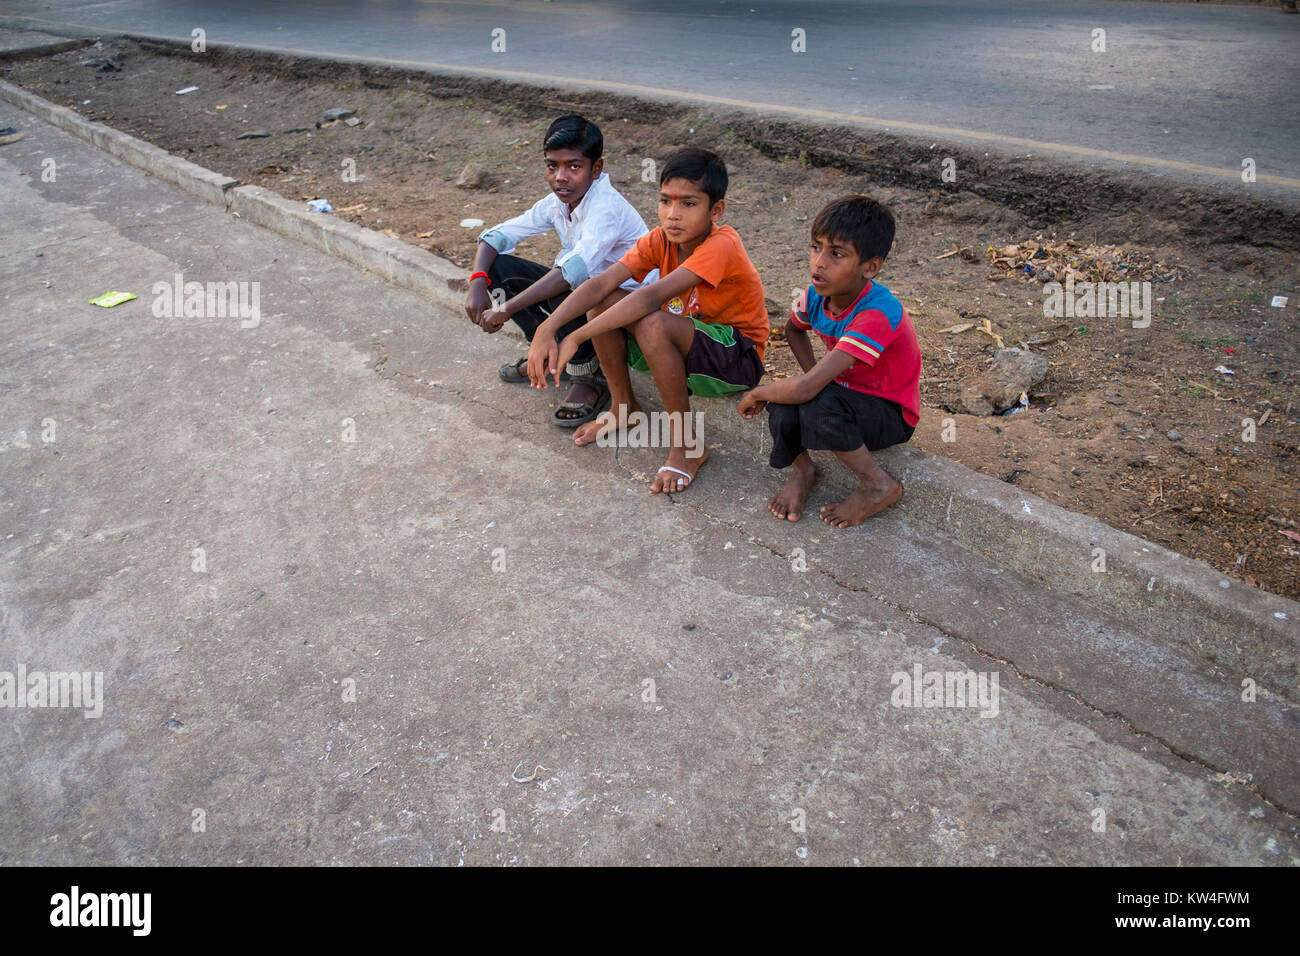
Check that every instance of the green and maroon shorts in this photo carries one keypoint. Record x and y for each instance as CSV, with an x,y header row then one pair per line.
x,y
721,360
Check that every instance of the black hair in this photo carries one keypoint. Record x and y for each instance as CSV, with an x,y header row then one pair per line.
x,y
575,132
699,166
861,220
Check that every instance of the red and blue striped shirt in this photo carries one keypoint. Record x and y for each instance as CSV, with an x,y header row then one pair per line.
x,y
877,331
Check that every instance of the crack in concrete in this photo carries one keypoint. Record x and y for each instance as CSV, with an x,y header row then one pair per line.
x,y
1270,799
387,374
918,618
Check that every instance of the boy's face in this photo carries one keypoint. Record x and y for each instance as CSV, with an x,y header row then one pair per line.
x,y
685,212
570,174
836,269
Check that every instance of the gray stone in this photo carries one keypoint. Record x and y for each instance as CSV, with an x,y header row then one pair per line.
x,y
1013,371
337,113
474,176
254,134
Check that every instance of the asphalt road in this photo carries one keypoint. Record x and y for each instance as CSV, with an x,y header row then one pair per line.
x,y
1186,91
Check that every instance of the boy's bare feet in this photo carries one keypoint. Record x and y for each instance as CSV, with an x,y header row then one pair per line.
x,y
861,504
669,482
789,501
617,415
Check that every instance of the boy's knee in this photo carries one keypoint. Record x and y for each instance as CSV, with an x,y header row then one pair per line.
x,y
654,327
782,416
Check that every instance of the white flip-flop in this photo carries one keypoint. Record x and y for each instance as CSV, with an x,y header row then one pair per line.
x,y
686,474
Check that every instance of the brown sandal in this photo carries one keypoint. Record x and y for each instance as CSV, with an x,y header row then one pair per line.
x,y
587,410
515,374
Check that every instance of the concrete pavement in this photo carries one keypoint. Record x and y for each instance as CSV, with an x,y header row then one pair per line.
x,y
355,601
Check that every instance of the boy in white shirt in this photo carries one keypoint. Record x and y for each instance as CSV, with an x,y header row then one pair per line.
x,y
596,225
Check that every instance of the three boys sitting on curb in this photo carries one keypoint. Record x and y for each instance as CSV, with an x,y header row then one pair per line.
x,y
684,303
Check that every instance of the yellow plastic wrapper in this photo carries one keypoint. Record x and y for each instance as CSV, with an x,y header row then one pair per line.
x,y
110,299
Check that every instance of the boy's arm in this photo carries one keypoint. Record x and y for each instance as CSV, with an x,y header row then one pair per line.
x,y
599,238
501,240
635,306
477,300
504,237
800,388
543,350
800,346
639,304
551,284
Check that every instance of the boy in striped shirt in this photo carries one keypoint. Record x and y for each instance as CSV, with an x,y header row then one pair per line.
x,y
865,394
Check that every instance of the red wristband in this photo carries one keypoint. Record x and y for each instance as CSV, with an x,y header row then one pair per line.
x,y
483,274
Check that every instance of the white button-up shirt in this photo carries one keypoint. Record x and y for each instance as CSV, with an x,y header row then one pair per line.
x,y
593,237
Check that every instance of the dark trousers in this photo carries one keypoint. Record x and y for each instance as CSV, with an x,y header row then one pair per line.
x,y
838,418
514,275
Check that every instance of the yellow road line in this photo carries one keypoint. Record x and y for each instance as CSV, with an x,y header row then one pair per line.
x,y
853,119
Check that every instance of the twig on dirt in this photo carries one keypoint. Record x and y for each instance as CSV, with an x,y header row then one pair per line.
x,y
368,772
954,252
1212,391
987,328
1153,514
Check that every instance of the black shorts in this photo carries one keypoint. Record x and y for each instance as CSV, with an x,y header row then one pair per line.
x,y
838,418
514,275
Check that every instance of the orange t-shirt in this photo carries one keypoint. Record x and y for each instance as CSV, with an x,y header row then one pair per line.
x,y
729,291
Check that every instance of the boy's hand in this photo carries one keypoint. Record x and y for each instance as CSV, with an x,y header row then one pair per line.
x,y
541,359
477,301
568,349
493,319
750,405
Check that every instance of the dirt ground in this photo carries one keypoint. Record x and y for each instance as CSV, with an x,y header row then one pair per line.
x,y
1132,426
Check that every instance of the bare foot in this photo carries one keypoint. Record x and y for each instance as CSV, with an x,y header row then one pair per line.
x,y
671,481
617,414
789,501
861,504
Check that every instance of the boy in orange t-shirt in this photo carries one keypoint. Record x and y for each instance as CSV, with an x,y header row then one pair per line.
x,y
699,326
